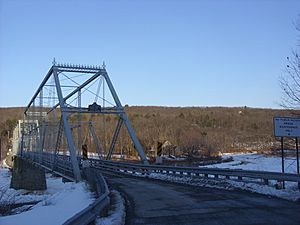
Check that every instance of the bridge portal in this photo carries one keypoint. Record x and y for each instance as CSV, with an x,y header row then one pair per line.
x,y
67,112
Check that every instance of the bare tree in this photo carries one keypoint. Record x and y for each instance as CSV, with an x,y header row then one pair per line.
x,y
290,81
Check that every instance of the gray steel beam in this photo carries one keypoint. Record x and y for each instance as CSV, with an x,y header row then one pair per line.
x,y
67,129
41,126
95,138
40,87
45,129
23,133
57,143
130,130
85,110
77,67
60,69
77,89
65,86
112,90
114,139
134,138
79,141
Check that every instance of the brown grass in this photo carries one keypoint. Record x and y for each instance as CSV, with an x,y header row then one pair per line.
x,y
193,130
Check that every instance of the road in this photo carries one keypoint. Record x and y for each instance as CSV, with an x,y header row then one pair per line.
x,y
159,202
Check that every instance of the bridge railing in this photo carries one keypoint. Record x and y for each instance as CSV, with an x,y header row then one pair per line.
x,y
90,213
59,164
63,167
195,172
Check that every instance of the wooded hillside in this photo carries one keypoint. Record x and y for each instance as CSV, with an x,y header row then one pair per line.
x,y
196,130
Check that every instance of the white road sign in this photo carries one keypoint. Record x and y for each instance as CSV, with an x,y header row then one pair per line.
x,y
286,127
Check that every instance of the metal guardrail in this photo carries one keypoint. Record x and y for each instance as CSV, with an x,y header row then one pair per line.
x,y
194,172
62,167
95,179
237,175
90,213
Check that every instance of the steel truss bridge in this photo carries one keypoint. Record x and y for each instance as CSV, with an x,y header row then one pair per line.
x,y
66,109
56,125
69,108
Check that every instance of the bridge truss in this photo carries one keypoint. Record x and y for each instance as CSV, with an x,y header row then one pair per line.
x,y
69,109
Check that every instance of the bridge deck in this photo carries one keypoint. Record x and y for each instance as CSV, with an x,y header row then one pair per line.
x,y
158,202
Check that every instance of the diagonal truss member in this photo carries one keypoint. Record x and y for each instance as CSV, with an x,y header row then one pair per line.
x,y
64,110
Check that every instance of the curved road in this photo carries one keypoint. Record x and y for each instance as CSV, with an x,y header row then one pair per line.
x,y
158,202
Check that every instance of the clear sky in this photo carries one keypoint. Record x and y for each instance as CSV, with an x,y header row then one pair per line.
x,y
170,53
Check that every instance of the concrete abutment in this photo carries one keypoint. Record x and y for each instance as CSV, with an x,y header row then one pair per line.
x,y
26,175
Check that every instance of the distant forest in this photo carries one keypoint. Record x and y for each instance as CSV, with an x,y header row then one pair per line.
x,y
200,131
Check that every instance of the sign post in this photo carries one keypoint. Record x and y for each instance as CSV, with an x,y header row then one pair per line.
x,y
85,162
159,153
297,148
282,160
287,127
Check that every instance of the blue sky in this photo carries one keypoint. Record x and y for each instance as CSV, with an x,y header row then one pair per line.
x,y
170,53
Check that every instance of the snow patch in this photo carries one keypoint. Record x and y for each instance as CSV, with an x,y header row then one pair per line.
x,y
117,215
57,204
259,162
288,194
245,162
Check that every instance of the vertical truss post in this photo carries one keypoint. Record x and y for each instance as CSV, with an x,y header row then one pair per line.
x,y
57,143
42,128
56,128
79,125
45,129
34,127
23,133
114,139
126,121
96,141
66,126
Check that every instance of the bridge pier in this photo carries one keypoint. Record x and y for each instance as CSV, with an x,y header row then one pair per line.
x,y
26,175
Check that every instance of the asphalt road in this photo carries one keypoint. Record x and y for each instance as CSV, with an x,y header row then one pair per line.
x,y
158,202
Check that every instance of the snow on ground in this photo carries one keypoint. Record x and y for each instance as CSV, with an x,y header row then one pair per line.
x,y
57,204
245,162
257,162
260,162
13,196
4,164
288,194
173,158
116,216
